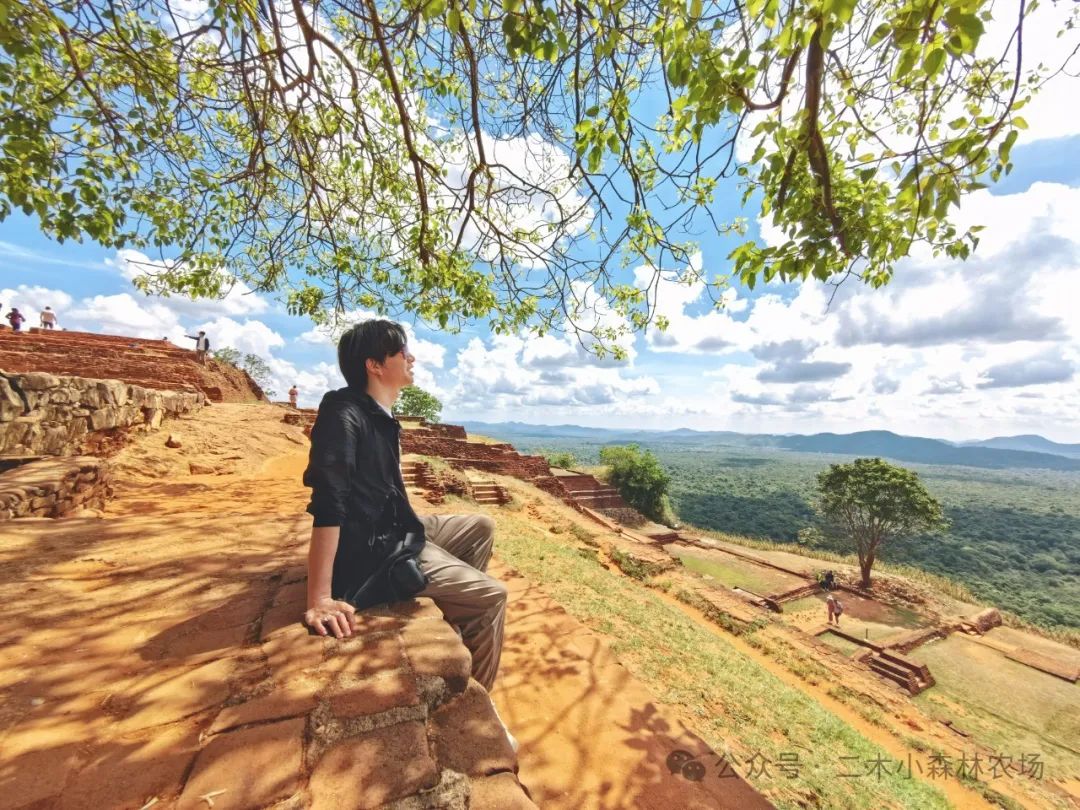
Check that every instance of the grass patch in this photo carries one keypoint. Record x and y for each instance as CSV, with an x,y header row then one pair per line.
x,y
744,709
1041,714
736,573
584,535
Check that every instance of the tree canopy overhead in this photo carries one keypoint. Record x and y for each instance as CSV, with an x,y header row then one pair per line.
x,y
507,160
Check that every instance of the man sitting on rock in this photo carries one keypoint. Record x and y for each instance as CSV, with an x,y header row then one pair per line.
x,y
361,512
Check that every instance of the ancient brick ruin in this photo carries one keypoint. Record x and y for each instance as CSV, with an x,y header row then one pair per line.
x,y
54,487
148,363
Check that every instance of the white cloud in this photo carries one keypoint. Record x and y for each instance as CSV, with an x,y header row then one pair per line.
x,y
945,348
312,382
250,336
239,300
517,377
31,300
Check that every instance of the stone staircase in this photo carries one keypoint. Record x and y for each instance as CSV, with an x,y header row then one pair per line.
x,y
587,491
148,363
488,492
915,678
418,474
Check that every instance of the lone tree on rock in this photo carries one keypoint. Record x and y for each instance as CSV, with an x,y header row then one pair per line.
x,y
415,401
874,501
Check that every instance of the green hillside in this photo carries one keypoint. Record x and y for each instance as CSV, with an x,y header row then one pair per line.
x,y
1014,538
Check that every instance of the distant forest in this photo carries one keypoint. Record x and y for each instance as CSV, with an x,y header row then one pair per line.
x,y
1014,538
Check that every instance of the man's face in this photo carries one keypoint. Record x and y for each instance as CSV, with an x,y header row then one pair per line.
x,y
397,369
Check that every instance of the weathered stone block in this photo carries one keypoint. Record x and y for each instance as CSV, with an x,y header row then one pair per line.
x,y
433,648
153,418
133,768
38,381
359,698
370,770
107,416
468,736
295,697
366,655
254,767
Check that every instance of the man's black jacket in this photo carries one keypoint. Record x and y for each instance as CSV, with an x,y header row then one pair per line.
x,y
354,472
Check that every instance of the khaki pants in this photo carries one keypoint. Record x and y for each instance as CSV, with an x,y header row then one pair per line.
x,y
455,558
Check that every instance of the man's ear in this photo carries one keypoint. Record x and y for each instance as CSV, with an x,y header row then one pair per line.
x,y
371,365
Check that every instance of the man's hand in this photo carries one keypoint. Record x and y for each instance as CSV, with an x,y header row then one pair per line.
x,y
331,616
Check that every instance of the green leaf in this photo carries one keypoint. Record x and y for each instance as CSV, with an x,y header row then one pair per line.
x,y
934,62
880,33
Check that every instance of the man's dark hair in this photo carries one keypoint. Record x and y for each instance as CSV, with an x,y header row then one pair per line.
x,y
368,340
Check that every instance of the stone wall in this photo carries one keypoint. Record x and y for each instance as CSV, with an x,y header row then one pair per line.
x,y
425,428
500,459
74,415
55,487
301,417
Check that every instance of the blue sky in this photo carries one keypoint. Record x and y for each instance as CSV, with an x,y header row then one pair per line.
x,y
949,349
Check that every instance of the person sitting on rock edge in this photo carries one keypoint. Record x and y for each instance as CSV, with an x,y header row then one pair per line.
x,y
354,472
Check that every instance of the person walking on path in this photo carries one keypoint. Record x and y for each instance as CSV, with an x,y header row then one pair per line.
x,y
358,499
48,318
835,608
202,345
294,392
16,319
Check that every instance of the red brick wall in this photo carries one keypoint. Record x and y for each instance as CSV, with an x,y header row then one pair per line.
x,y
148,363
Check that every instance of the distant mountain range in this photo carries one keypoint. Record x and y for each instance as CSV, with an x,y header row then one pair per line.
x,y
1030,443
1004,452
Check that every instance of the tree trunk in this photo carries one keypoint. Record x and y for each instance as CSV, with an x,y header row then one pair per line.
x,y
865,566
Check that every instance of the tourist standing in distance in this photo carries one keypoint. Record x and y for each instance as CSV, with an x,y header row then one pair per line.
x,y
835,608
294,392
202,345
16,319
358,498
48,318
